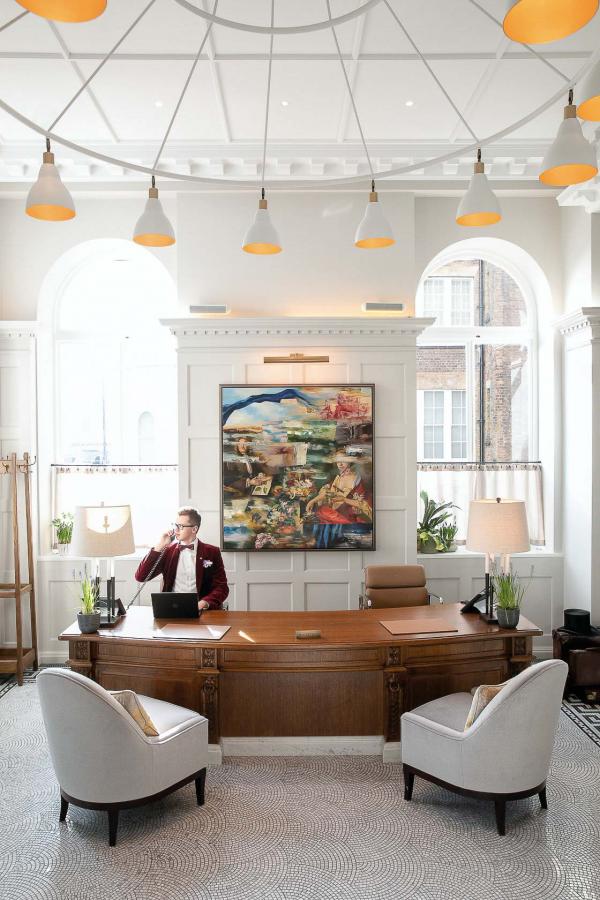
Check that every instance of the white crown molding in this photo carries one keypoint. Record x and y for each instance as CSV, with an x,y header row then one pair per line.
x,y
579,321
290,331
12,330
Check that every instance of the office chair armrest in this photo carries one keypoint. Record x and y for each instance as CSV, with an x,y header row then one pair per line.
x,y
437,597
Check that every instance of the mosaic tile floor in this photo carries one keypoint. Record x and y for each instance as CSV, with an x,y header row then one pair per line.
x,y
331,828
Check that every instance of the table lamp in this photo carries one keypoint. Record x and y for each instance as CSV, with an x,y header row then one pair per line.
x,y
496,527
103,532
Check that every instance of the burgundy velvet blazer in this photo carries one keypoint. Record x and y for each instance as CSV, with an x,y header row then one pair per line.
x,y
211,581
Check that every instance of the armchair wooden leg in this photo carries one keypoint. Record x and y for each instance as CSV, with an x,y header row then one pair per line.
x,y
543,798
113,824
500,806
200,781
64,805
409,780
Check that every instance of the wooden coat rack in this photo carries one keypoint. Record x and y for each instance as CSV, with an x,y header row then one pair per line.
x,y
16,660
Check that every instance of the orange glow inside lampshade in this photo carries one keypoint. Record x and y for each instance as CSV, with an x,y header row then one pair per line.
x,y
480,218
590,109
50,213
373,243
542,21
263,249
563,176
65,10
154,240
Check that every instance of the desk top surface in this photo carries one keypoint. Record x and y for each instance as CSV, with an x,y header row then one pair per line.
x,y
338,628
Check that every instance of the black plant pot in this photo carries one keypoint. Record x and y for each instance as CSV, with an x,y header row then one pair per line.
x,y
508,618
88,622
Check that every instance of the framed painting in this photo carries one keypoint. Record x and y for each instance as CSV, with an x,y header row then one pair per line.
x,y
297,467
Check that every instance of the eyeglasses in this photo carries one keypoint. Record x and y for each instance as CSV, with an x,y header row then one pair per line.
x,y
179,525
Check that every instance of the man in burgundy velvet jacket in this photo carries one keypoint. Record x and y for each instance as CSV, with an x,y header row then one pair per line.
x,y
187,564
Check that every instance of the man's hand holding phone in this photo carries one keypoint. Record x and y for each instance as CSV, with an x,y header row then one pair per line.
x,y
164,540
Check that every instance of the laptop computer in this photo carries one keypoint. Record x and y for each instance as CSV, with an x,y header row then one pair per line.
x,y
170,605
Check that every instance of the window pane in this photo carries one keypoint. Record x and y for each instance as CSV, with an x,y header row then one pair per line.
x,y
433,299
505,374
441,370
459,425
462,301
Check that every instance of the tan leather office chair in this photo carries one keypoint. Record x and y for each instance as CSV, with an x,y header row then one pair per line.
x,y
394,586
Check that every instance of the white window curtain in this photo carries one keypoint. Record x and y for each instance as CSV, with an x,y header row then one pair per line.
x,y
471,481
151,491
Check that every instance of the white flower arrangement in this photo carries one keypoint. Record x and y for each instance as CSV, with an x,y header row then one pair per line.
x,y
207,563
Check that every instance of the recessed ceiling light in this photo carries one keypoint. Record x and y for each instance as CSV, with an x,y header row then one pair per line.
x,y
158,103
285,102
410,103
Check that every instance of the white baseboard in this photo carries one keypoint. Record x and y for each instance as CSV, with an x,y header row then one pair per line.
x,y
51,657
303,746
215,755
392,752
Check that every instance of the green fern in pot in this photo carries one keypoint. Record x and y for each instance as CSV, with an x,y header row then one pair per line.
x,y
430,537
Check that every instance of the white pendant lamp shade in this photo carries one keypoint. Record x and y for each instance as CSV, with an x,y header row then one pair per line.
x,y
48,198
542,21
570,159
479,205
262,238
65,10
374,229
153,229
589,108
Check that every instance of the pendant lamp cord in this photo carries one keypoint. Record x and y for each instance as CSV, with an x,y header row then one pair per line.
x,y
268,102
350,94
12,21
432,73
541,58
185,87
100,65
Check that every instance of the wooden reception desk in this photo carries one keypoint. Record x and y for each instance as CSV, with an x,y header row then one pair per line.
x,y
261,681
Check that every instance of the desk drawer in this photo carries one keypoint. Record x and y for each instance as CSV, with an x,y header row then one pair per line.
x,y
415,654
302,658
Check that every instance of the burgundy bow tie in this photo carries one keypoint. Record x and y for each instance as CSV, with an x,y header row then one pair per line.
x,y
186,546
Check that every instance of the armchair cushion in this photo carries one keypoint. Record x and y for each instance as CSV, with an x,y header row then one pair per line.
x,y
131,703
482,695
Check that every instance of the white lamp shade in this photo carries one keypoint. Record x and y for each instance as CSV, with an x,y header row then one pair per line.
x,y
570,159
479,205
589,108
48,198
153,229
374,229
262,238
541,21
102,531
497,527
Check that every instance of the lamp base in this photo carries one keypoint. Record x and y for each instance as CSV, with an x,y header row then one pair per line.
x,y
490,618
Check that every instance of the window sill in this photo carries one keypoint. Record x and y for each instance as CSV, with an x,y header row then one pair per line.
x,y
462,554
68,557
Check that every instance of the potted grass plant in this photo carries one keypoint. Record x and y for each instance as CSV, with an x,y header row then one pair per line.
x,y
88,617
63,526
508,596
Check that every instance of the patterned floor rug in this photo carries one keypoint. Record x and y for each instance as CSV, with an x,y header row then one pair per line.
x,y
332,828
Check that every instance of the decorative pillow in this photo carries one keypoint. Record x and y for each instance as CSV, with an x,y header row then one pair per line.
x,y
130,702
481,697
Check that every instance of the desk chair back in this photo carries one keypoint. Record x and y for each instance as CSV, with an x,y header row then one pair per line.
x,y
395,586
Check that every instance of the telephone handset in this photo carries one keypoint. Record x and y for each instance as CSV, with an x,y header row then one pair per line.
x,y
476,604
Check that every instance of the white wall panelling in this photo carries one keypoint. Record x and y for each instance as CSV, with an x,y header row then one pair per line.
x,y
380,352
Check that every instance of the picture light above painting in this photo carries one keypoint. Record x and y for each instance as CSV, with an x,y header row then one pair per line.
x,y
297,467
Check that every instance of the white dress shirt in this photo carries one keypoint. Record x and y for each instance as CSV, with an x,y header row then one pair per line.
x,y
185,577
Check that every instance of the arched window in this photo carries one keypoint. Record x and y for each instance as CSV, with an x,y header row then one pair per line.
x,y
477,410
111,383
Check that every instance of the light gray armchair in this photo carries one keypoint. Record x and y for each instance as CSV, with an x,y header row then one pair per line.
x,y
101,756
504,755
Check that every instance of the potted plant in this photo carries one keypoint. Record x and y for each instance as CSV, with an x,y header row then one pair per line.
x,y
88,618
430,539
508,595
63,525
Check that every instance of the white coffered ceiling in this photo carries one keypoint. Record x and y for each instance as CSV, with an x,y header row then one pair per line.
x,y
126,109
